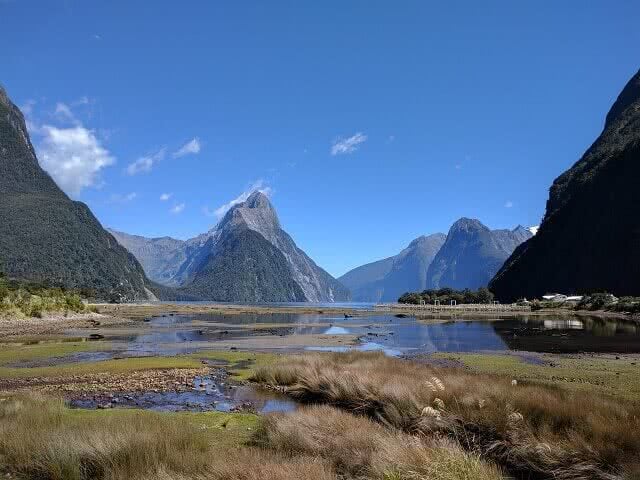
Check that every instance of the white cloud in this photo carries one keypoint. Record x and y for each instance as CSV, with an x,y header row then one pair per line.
x,y
83,100
192,147
534,229
72,156
64,113
508,204
258,185
145,164
165,196
348,145
178,208
122,198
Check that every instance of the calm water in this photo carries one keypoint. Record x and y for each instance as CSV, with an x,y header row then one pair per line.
x,y
170,335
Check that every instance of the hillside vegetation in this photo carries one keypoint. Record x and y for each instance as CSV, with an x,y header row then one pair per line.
x,y
44,235
33,300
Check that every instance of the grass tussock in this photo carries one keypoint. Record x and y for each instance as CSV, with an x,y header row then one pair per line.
x,y
357,447
42,439
39,438
545,432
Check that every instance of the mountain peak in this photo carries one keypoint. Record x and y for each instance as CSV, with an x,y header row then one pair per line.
x,y
258,199
630,94
425,239
256,213
465,224
521,229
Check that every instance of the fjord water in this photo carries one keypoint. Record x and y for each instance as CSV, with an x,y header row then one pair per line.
x,y
175,334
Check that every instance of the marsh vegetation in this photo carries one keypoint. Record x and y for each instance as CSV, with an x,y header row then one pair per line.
x,y
530,430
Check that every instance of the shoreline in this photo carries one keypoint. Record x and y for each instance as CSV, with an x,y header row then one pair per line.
x,y
112,315
135,311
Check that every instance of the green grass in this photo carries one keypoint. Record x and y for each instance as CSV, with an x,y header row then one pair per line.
x,y
221,428
120,366
618,378
13,352
241,365
42,439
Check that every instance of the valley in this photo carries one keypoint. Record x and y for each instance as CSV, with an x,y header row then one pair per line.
x,y
348,241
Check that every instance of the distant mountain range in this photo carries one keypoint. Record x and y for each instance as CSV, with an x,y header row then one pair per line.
x,y
387,279
467,257
247,257
472,254
47,237
589,239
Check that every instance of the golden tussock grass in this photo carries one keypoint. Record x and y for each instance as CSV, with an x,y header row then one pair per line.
x,y
357,447
41,439
531,430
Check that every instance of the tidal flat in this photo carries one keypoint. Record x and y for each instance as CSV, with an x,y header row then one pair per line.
x,y
231,375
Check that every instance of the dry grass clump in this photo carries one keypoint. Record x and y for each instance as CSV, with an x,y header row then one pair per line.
x,y
254,464
360,448
41,439
534,430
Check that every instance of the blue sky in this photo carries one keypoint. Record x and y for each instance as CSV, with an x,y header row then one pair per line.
x,y
369,122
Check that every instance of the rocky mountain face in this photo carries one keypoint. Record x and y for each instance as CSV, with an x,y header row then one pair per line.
x,y
472,254
386,280
589,239
161,257
247,257
47,237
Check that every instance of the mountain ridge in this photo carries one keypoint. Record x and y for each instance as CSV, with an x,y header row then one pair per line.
x,y
433,261
191,265
596,201
48,237
385,280
472,254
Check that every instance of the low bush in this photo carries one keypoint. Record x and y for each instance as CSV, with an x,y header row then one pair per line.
x,y
33,300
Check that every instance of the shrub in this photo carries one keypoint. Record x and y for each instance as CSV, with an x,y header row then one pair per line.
x,y
446,295
33,300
